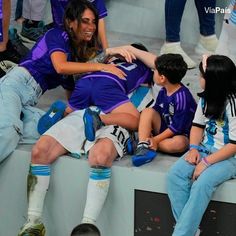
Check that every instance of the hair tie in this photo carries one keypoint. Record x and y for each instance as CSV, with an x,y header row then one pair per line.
x,y
204,62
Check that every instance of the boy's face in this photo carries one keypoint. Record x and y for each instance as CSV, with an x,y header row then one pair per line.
x,y
158,79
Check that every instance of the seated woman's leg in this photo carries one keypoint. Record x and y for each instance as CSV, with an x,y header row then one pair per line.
x,y
179,185
200,195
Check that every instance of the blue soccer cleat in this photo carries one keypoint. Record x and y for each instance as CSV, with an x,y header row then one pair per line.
x,y
52,116
143,155
92,123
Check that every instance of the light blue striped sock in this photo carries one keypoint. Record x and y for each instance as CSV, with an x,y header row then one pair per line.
x,y
38,180
98,186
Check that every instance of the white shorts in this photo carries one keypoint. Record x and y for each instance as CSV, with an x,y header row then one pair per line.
x,y
69,132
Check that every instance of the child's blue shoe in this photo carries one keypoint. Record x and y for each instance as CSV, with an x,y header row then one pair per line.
x,y
52,116
143,155
92,123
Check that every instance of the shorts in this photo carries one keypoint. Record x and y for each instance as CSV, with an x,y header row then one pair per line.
x,y
105,93
69,132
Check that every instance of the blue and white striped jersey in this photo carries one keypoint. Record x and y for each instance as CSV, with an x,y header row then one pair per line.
x,y
218,133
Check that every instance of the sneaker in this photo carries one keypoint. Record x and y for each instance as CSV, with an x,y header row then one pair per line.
x,y
10,54
5,66
52,116
143,155
207,44
17,43
176,48
30,229
92,123
2,72
198,232
32,34
85,229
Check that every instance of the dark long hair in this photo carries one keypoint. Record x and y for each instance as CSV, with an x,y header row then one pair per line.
x,y
84,50
220,82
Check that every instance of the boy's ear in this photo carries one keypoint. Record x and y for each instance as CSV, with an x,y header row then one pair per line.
x,y
163,78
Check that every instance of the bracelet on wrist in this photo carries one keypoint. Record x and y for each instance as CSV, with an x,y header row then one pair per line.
x,y
205,162
193,146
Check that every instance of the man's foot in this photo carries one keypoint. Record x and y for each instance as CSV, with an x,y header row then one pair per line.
x,y
143,155
176,48
207,44
17,43
32,33
92,123
52,116
30,229
85,230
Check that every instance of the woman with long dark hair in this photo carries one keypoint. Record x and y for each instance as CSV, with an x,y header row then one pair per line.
x,y
211,158
56,55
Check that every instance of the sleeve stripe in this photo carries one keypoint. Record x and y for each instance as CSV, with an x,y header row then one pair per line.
x,y
150,103
232,141
199,125
232,105
181,101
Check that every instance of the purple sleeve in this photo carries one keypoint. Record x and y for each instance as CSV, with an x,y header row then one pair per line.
x,y
185,107
57,40
101,8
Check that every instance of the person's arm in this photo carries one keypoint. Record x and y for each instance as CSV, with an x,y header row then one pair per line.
x,y
6,10
62,66
196,135
102,33
146,57
222,154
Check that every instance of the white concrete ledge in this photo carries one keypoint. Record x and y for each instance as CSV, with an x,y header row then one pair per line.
x,y
66,196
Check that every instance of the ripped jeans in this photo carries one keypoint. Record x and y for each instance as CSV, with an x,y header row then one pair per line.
x,y
18,92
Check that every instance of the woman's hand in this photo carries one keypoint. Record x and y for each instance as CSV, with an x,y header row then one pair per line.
x,y
114,70
122,51
192,156
200,167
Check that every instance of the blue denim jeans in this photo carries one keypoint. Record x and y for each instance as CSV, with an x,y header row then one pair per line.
x,y
173,14
18,91
189,199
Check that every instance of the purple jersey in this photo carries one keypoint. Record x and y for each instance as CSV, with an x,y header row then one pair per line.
x,y
58,8
176,111
107,91
38,61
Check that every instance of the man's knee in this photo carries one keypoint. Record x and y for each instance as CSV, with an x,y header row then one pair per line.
x,y
40,153
103,153
101,158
